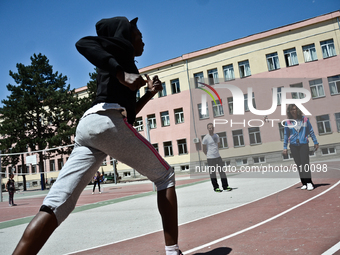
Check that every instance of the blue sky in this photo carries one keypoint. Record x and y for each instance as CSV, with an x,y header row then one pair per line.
x,y
170,28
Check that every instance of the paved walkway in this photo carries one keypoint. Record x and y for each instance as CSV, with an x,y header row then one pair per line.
x,y
260,216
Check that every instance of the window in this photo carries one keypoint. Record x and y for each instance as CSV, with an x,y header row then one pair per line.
x,y
325,151
246,108
162,93
52,165
296,95
327,48
165,118
290,57
254,135
155,145
223,140
152,121
198,77
309,53
60,163
167,149
334,84
137,95
185,167
279,95
213,76
324,125
179,116
281,131
316,88
139,124
258,160
182,146
244,68
175,88
217,108
241,161
202,114
238,138
273,61
230,105
337,119
228,72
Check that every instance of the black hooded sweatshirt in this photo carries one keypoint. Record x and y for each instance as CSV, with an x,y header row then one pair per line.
x,y
110,50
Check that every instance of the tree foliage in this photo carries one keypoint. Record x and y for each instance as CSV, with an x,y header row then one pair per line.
x,y
41,111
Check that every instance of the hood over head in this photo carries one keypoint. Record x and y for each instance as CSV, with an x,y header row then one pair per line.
x,y
117,27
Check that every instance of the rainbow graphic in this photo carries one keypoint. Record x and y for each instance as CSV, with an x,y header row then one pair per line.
x,y
209,93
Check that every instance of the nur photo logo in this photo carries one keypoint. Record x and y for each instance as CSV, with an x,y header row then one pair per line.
x,y
204,97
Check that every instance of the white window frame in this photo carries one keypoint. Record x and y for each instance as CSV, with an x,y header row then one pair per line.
x,y
203,116
244,69
230,105
246,108
327,48
240,138
281,131
165,118
334,84
296,95
217,108
290,57
323,123
199,77
279,95
273,61
182,147
152,121
223,144
328,151
254,132
228,72
316,88
162,93
213,76
175,86
168,152
309,53
179,116
337,120
138,125
260,159
155,145
241,162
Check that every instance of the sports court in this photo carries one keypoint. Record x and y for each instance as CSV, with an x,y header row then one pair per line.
x,y
260,216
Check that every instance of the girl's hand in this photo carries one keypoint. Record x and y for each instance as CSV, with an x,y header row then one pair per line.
x,y
153,85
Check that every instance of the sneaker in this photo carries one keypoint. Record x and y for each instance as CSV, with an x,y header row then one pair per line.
x,y
180,253
228,188
218,190
92,193
14,204
100,192
304,187
310,186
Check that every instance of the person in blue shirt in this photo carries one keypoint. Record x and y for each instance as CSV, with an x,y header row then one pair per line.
x,y
296,132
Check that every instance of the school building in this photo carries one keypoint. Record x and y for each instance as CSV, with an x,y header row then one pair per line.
x,y
265,68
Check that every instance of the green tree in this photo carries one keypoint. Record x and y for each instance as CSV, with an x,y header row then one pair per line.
x,y
41,112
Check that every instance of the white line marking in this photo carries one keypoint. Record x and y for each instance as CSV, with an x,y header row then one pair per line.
x,y
259,224
332,250
131,238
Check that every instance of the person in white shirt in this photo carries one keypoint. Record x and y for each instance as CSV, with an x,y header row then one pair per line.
x,y
210,148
